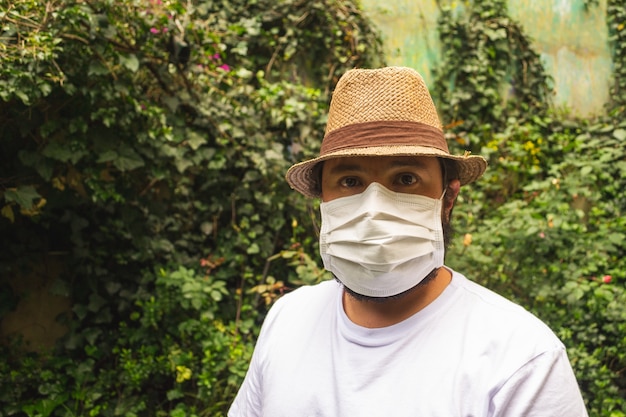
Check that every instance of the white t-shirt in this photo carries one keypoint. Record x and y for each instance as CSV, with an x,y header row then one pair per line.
x,y
468,353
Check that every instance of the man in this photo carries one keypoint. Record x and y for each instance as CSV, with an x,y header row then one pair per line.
x,y
397,333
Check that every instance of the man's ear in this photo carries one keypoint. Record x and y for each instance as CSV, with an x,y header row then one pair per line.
x,y
452,191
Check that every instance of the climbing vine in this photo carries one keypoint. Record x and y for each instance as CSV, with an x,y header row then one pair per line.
x,y
616,22
488,73
143,145
545,225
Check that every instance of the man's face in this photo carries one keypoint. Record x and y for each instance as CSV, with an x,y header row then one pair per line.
x,y
342,177
422,175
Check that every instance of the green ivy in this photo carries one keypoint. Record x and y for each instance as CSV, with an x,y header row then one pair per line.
x,y
545,225
144,145
489,74
616,22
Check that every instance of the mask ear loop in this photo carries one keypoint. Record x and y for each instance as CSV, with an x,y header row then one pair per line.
x,y
444,177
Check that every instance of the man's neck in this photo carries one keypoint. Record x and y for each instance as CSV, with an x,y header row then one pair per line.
x,y
376,314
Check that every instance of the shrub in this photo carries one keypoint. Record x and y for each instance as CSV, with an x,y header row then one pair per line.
x,y
144,143
545,225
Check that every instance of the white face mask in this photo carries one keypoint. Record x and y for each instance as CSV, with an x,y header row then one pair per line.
x,y
380,243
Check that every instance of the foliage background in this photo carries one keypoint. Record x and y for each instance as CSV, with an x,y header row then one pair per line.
x,y
144,144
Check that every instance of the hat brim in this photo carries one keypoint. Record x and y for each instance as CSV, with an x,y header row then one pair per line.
x,y
302,176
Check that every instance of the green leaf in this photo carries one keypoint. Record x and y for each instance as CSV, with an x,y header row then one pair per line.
x,y
616,238
586,170
190,288
7,212
96,68
182,164
216,295
195,140
253,249
107,156
96,302
128,159
92,334
619,134
57,151
23,196
175,394
131,62
196,303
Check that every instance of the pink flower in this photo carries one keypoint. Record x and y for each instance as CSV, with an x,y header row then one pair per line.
x,y
542,235
224,67
607,279
154,31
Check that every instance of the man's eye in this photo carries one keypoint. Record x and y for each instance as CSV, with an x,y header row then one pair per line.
x,y
349,182
407,179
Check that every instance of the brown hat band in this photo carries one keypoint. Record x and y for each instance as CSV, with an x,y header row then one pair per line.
x,y
383,133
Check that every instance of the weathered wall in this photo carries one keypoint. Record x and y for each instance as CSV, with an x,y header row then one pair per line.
x,y
572,42
36,316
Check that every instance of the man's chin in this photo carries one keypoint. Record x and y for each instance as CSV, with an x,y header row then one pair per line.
x,y
368,298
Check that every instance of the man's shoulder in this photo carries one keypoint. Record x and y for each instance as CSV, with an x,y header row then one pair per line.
x,y
294,316
479,295
308,300
321,292
501,316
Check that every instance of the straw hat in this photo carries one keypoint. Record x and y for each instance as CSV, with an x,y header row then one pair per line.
x,y
381,112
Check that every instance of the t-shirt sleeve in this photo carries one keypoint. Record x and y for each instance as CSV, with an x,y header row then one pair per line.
x,y
249,399
248,403
545,386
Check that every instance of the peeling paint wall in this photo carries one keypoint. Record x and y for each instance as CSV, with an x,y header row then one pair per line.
x,y
572,42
